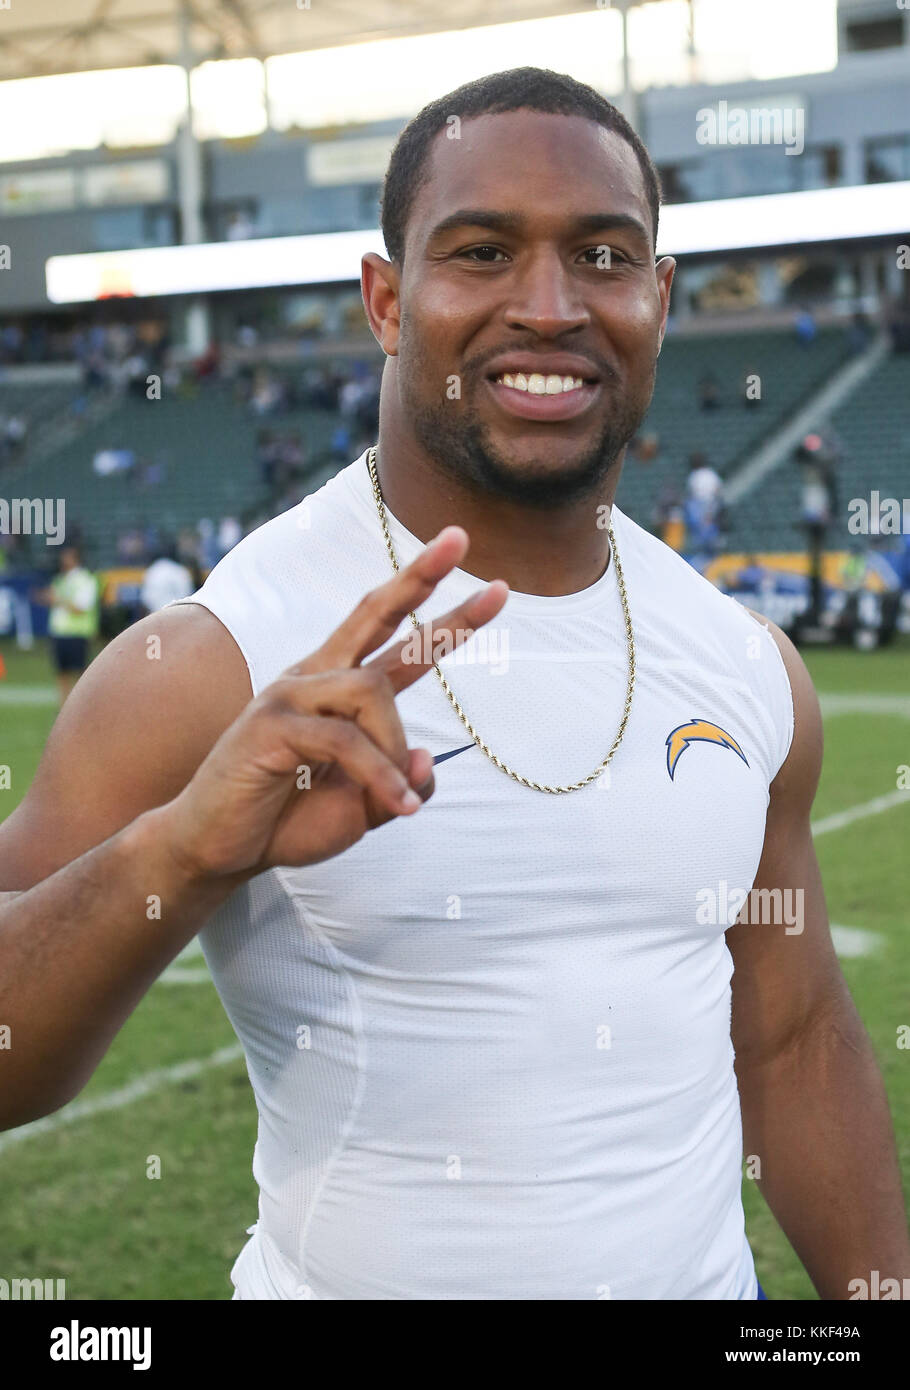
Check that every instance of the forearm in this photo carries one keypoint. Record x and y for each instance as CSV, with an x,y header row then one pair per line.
x,y
817,1117
77,953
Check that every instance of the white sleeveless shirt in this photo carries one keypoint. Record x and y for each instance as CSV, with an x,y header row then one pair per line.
x,y
490,1043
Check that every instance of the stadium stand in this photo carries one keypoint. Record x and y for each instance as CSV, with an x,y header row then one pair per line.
x,y
870,432
42,407
194,452
732,427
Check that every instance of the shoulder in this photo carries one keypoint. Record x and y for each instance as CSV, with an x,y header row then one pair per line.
x,y
798,776
721,639
670,578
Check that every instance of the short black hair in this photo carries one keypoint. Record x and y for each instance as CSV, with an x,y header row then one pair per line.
x,y
517,89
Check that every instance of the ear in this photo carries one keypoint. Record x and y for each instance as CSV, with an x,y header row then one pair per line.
x,y
380,281
664,270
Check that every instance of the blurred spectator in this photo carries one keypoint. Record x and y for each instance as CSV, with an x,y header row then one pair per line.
x,y
341,442
703,506
293,457
189,554
229,533
805,327
153,474
131,548
859,333
165,580
239,227
73,600
266,396
645,448
267,456
206,367
11,343
709,392
669,517
208,543
817,457
108,461
13,434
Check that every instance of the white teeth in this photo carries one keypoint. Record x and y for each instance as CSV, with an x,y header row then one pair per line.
x,y
539,385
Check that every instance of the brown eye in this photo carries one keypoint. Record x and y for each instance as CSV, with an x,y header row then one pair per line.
x,y
476,250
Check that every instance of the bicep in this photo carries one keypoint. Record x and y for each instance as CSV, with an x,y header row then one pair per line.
x,y
130,736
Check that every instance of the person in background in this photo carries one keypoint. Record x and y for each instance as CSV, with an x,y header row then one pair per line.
x,y
708,392
704,504
859,334
805,326
229,533
817,456
165,580
669,517
73,599
645,448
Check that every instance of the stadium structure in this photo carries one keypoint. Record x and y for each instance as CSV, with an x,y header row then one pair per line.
x,y
183,348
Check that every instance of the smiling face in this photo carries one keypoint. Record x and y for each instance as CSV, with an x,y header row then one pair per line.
x,y
531,309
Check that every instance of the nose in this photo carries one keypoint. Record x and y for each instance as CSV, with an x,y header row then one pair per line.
x,y
545,300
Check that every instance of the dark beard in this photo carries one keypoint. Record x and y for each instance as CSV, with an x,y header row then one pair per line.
x,y
457,443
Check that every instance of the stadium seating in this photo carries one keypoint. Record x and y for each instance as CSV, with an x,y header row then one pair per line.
x,y
44,406
788,373
201,448
872,432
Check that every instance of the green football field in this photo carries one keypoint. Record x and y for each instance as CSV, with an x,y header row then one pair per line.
x,y
77,1199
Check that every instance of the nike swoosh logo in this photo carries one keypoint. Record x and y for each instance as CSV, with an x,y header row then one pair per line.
x,y
441,757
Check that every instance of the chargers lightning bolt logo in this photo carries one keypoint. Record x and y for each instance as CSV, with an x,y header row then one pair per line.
x,y
697,730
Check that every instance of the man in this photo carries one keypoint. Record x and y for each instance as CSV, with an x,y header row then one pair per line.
x,y
816,458
72,597
703,509
165,581
490,1040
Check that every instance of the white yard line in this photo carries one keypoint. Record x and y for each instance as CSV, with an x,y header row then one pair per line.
x,y
27,694
841,819
858,702
854,703
850,942
865,704
179,973
124,1095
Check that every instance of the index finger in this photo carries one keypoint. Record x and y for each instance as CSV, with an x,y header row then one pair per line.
x,y
380,613
415,654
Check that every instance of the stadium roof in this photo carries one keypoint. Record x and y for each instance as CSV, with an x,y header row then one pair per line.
x,y
41,37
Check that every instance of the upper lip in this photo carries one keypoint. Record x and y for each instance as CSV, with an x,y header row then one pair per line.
x,y
552,364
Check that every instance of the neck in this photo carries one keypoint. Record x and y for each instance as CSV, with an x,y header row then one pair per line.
x,y
544,551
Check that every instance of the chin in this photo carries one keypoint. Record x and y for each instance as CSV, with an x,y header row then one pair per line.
x,y
544,473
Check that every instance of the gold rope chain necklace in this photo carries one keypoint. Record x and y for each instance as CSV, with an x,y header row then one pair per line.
x,y
516,777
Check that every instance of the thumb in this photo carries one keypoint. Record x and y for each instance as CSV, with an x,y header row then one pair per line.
x,y
420,772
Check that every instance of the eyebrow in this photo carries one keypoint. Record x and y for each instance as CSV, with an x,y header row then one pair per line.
x,y
588,222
